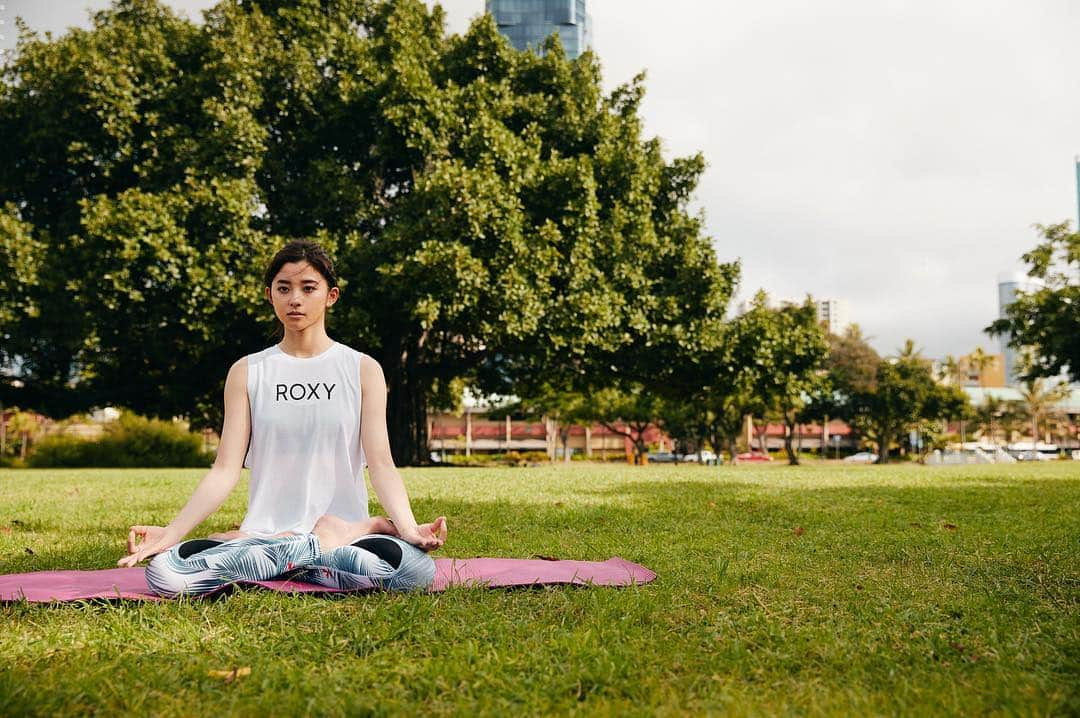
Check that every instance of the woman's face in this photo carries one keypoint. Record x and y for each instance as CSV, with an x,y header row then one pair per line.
x,y
300,295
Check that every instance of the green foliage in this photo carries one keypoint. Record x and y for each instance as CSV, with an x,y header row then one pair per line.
x,y
628,411
495,215
21,255
886,398
790,357
1038,400
510,458
767,361
1047,319
131,441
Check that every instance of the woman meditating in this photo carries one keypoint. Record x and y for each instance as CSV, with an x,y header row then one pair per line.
x,y
305,415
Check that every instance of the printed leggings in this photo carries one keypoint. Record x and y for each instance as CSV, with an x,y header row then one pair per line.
x,y
201,566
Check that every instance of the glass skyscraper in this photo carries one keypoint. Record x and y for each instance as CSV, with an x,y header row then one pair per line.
x,y
527,23
1009,284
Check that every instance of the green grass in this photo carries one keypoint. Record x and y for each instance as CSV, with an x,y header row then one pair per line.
x,y
818,590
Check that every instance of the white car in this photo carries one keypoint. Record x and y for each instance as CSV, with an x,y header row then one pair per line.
x,y
863,457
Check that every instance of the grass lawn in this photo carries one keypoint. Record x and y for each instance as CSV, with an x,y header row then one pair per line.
x,y
820,590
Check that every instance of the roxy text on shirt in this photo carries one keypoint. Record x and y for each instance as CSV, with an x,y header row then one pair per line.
x,y
299,392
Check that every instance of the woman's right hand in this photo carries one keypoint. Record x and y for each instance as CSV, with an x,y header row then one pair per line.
x,y
155,539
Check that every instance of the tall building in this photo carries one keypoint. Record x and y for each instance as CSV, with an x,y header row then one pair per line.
x,y
1009,283
835,314
527,23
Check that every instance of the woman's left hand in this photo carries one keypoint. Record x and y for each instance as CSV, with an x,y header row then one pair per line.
x,y
428,536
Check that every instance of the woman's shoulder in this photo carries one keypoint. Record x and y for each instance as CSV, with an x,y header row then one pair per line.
x,y
238,373
356,354
256,357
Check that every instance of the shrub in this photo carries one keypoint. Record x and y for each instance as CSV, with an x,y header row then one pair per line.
x,y
510,458
131,441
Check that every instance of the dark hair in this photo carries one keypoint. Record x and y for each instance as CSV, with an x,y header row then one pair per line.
x,y
300,250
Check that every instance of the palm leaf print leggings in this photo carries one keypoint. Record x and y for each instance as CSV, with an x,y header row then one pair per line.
x,y
200,566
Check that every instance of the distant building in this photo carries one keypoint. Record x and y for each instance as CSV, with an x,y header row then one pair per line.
x,y
834,314
1009,284
986,371
527,23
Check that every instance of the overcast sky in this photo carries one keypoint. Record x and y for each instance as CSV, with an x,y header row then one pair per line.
x,y
892,153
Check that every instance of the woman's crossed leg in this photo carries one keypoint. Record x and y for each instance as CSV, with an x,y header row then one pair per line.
x,y
373,561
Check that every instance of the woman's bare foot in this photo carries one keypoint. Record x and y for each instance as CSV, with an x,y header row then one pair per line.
x,y
334,532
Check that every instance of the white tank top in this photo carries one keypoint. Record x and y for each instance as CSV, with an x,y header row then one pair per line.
x,y
305,454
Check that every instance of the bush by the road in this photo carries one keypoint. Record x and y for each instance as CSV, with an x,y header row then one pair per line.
x,y
131,441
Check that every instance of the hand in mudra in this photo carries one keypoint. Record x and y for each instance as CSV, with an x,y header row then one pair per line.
x,y
155,539
428,536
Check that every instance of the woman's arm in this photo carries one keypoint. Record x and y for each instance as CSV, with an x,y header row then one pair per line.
x,y
215,487
384,475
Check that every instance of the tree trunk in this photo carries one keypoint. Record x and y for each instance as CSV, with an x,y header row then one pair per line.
x,y
789,438
406,413
792,457
551,444
883,448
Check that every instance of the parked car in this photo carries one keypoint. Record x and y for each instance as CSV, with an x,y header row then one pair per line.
x,y
703,457
662,457
863,457
753,456
1035,456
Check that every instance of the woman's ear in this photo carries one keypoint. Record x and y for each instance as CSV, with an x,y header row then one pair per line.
x,y
332,296
266,293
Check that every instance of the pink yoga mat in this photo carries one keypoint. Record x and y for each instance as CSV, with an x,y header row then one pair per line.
x,y
45,586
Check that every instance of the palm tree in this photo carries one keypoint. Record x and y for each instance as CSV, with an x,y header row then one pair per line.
x,y
951,371
978,361
26,426
909,350
986,415
1038,399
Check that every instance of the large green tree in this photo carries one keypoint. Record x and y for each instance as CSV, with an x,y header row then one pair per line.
x,y
790,349
1046,319
883,399
769,361
495,216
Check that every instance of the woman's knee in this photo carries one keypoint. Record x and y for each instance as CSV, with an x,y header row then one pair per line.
x,y
405,568
416,572
181,570
164,574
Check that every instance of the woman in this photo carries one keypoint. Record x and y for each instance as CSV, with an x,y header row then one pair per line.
x,y
304,415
